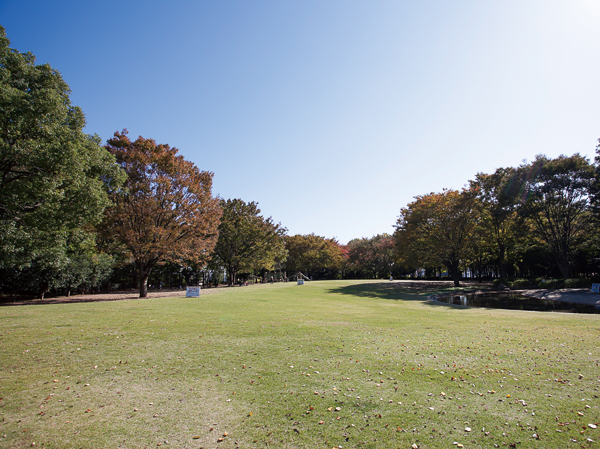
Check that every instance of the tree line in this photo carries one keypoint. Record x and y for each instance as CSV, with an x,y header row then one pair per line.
x,y
78,215
537,219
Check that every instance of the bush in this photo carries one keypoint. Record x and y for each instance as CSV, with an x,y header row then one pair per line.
x,y
566,283
522,283
579,283
545,283
497,282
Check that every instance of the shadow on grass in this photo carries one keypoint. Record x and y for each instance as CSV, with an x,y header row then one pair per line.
x,y
404,290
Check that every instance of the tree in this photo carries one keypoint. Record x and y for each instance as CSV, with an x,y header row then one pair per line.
x,y
313,255
53,177
557,200
500,194
165,210
435,230
47,164
247,241
372,257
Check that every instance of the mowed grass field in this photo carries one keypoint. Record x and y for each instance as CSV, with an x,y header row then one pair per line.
x,y
351,364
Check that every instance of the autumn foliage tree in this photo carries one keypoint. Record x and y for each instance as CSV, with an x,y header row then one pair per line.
x,y
371,257
436,230
165,210
313,255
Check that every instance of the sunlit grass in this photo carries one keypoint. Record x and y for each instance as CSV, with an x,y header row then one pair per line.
x,y
270,365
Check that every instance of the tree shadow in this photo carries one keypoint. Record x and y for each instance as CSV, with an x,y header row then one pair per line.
x,y
406,290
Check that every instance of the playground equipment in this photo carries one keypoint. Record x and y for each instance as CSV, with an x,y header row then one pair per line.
x,y
299,278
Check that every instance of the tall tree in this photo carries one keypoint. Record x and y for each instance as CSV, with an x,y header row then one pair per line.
x,y
500,193
435,230
247,241
557,199
53,176
165,210
595,189
47,163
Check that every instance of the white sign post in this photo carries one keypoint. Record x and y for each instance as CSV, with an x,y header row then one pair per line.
x,y
192,292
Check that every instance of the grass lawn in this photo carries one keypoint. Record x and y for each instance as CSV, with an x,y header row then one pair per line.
x,y
351,364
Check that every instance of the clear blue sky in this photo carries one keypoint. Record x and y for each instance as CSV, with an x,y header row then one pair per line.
x,y
334,114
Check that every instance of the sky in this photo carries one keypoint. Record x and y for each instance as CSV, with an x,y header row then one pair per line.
x,y
332,115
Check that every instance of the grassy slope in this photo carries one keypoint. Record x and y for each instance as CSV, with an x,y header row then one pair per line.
x,y
269,365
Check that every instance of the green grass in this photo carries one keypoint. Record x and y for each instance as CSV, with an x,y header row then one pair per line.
x,y
269,365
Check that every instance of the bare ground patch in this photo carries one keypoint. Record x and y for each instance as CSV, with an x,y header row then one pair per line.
x,y
120,295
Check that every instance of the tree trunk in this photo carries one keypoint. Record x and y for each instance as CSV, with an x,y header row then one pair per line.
x,y
454,273
144,272
232,274
143,286
563,266
502,261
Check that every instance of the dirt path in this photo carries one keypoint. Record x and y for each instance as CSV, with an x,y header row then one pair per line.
x,y
124,295
577,295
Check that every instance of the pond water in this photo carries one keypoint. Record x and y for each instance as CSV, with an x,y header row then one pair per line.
x,y
515,301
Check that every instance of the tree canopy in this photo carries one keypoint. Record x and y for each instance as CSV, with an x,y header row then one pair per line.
x,y
501,229
371,257
53,176
435,230
247,241
165,211
313,255
47,164
557,202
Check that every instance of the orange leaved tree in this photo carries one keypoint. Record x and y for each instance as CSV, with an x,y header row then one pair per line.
x,y
437,229
165,211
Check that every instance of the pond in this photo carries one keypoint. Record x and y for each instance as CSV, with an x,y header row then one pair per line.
x,y
515,301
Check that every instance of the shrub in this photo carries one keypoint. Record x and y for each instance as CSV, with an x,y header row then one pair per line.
x,y
566,283
497,282
522,283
